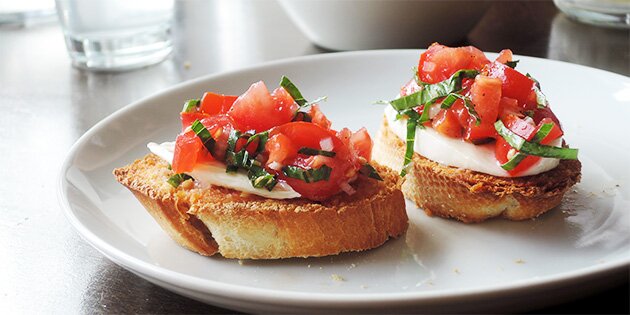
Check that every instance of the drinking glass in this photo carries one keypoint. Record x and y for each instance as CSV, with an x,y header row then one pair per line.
x,y
116,35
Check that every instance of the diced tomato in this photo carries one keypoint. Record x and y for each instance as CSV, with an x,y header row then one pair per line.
x,y
527,131
361,144
502,151
213,103
515,84
508,106
479,133
504,56
439,62
280,148
467,83
461,112
318,117
259,110
284,101
485,94
189,150
524,128
555,132
303,134
446,123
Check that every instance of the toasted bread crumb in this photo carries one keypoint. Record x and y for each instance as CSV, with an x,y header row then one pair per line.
x,y
519,261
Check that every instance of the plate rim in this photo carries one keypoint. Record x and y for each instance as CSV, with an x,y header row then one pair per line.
x,y
275,296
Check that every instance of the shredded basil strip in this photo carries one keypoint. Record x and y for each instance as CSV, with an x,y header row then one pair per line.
x,y
308,175
450,99
293,91
415,74
260,177
311,151
426,97
512,64
424,117
242,159
297,97
178,179
520,156
262,138
203,134
234,159
369,171
431,92
191,105
541,99
544,130
531,148
514,161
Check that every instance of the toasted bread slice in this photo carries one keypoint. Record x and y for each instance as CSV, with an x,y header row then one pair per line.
x,y
240,225
470,196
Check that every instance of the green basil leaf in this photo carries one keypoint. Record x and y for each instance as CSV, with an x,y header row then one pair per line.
x,y
203,134
234,160
311,175
542,132
431,92
532,148
541,99
450,99
191,106
260,178
311,151
424,117
415,74
369,171
262,138
512,64
514,161
178,179
293,91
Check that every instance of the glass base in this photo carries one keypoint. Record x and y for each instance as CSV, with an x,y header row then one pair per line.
x,y
119,53
607,13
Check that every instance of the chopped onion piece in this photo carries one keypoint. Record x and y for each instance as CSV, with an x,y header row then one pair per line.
x,y
275,166
326,144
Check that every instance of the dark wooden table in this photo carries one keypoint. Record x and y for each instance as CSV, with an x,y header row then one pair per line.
x,y
45,266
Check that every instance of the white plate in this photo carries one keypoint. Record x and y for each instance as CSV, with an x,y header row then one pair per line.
x,y
438,265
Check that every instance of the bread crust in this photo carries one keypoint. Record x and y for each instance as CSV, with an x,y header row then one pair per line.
x,y
146,179
471,196
245,226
